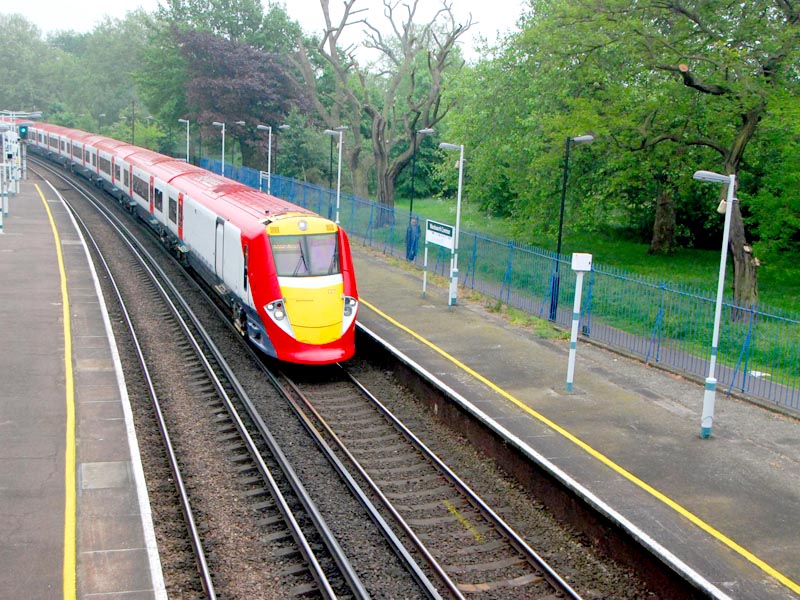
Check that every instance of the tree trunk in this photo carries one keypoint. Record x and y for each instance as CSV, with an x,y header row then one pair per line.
x,y
745,265
663,241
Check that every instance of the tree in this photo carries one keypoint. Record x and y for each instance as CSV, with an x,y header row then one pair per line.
x,y
22,55
229,81
725,60
384,110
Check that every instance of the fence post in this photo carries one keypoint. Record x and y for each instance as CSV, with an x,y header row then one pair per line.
x,y
507,274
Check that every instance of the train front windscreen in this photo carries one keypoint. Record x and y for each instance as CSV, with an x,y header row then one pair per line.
x,y
311,255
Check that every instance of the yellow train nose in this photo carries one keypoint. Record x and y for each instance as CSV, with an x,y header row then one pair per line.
x,y
315,314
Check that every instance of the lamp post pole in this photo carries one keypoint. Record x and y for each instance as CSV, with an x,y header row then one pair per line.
x,y
222,125
334,132
413,229
268,129
709,397
186,121
453,297
556,281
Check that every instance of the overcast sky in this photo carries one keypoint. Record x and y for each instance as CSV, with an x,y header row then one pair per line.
x,y
490,16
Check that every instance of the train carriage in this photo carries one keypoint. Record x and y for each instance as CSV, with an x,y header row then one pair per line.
x,y
285,272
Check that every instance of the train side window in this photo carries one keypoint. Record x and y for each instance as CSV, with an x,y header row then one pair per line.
x,y
173,210
158,200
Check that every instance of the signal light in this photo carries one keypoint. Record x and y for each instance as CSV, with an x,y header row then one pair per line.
x,y
23,132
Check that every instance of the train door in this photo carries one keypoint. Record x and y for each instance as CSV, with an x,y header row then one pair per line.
x,y
152,194
219,247
180,216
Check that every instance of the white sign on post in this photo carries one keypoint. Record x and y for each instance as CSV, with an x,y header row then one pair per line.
x,y
440,234
581,263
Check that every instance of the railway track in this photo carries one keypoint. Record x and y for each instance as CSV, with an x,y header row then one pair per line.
x,y
283,514
462,548
471,549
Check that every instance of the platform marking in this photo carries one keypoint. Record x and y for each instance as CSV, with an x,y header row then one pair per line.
x,y
69,569
151,544
743,552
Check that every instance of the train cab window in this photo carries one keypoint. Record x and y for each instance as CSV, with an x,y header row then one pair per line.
x,y
173,210
306,255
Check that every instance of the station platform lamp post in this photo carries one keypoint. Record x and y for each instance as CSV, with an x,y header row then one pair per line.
x,y
338,131
268,129
221,125
186,121
453,297
556,280
726,206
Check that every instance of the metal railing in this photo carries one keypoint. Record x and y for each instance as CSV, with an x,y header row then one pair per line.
x,y
656,321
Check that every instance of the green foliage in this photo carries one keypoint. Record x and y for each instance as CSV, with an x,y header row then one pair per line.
x,y
23,56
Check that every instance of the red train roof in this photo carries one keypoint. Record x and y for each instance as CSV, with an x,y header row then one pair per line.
x,y
225,196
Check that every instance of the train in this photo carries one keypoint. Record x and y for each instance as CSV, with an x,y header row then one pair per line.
x,y
284,272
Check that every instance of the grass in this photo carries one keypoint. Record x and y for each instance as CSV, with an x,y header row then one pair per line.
x,y
778,280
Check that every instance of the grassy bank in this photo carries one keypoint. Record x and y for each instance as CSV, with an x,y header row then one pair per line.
x,y
779,280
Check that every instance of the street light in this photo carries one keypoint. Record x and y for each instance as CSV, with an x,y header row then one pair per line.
x,y
711,382
187,137
218,124
556,281
413,229
268,129
241,148
334,132
453,298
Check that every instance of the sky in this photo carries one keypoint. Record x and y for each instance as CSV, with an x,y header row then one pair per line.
x,y
489,16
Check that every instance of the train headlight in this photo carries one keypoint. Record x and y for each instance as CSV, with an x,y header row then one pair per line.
x,y
302,224
276,310
349,306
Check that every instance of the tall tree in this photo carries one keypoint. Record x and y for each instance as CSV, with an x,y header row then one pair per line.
x,y
405,96
230,81
22,55
728,60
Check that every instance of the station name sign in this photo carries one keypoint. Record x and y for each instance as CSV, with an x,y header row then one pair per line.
x,y
440,234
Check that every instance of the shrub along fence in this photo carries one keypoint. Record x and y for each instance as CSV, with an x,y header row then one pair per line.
x,y
657,321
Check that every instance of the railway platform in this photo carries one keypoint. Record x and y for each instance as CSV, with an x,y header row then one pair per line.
x,y
724,512
74,515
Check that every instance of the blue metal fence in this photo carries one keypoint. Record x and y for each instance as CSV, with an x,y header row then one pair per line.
x,y
657,321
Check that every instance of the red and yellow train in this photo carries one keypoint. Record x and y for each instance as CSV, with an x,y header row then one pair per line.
x,y
285,272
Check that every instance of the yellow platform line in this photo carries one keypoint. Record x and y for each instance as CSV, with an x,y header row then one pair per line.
x,y
766,568
69,571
